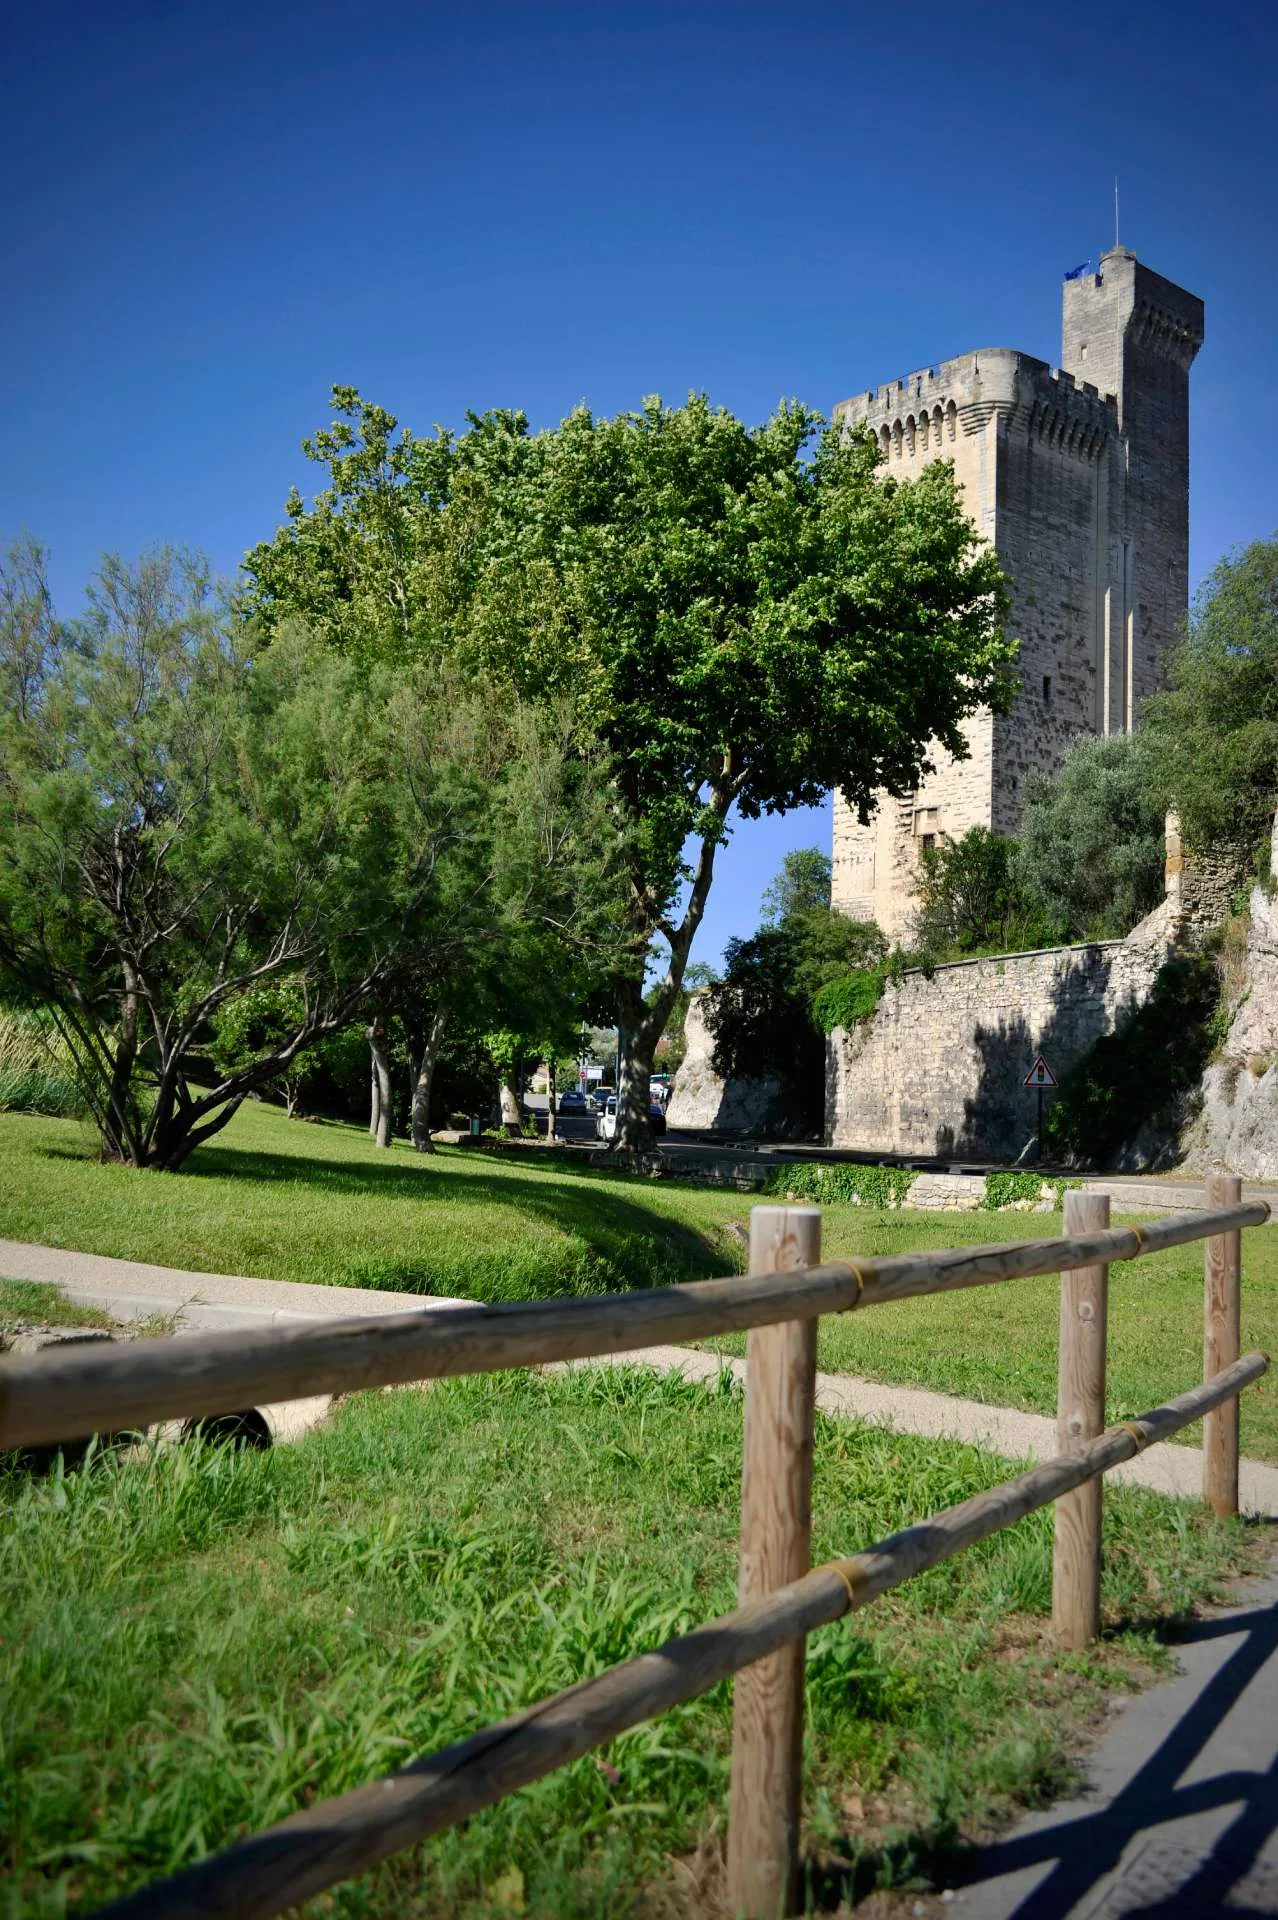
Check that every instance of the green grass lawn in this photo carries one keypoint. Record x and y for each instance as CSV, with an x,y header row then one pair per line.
x,y
999,1344
196,1642
295,1201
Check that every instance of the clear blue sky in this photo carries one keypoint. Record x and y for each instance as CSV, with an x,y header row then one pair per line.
x,y
212,213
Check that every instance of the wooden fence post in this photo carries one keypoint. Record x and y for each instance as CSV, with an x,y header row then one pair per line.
x,y
1080,1417
1222,1343
776,1526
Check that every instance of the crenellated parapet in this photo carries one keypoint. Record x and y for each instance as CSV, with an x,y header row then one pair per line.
x,y
926,412
1176,336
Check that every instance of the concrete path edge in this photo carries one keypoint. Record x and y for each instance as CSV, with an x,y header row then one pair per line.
x,y
134,1290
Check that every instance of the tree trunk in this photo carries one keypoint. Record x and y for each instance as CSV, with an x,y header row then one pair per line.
x,y
121,1139
172,1148
637,1038
510,1119
640,1026
375,1106
377,1037
422,1084
552,1087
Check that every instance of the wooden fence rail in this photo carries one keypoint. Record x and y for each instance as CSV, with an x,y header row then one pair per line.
x,y
65,1393
313,1850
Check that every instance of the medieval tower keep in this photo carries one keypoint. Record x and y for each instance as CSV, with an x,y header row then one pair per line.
x,y
1080,479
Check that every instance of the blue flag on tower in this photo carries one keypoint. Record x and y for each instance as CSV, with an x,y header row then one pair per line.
x,y
1076,273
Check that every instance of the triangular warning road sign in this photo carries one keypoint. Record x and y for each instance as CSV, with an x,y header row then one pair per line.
x,y
1040,1074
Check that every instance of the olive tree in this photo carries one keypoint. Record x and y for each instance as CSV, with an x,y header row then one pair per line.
x,y
1212,734
1091,844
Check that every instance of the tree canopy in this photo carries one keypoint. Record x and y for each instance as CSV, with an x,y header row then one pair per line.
x,y
186,817
743,618
1213,732
804,881
1091,844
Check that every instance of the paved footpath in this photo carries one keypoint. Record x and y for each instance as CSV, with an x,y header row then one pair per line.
x,y
1179,1819
133,1290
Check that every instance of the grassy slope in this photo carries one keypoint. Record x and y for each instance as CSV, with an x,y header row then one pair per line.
x,y
294,1201
195,1643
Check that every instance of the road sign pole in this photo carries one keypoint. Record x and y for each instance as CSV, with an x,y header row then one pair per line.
x,y
1040,1077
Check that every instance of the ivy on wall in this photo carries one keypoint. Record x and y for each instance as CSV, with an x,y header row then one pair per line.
x,y
1146,1072
862,1186
847,1001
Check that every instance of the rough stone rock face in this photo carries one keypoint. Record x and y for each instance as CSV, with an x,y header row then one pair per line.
x,y
699,1098
1237,1127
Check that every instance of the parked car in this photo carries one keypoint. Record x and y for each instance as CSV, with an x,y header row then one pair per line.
x,y
574,1101
606,1124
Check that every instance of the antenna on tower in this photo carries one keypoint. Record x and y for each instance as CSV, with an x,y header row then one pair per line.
x,y
1116,242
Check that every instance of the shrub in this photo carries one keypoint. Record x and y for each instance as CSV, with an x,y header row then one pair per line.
x,y
862,1186
971,900
35,1068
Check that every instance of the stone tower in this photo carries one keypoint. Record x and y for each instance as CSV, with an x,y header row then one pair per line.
x,y
1079,477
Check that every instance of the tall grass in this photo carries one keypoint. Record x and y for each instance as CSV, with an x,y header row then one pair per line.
x,y
35,1067
196,1642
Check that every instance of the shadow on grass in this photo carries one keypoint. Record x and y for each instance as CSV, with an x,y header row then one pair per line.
x,y
612,1241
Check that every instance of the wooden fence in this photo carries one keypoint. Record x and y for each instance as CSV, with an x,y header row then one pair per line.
x,y
66,1393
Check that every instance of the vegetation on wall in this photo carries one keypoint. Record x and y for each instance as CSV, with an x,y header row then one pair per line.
x,y
862,1186
1213,733
850,999
1092,850
1143,1076
1011,1188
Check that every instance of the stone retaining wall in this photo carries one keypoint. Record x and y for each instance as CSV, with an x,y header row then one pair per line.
x,y
939,1067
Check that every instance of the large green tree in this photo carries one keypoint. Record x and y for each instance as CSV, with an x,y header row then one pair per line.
x,y
185,818
744,618
1213,732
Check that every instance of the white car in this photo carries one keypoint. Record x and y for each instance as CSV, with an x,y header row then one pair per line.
x,y
606,1123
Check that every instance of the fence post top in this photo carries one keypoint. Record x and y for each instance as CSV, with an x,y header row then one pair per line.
x,y
1084,1209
